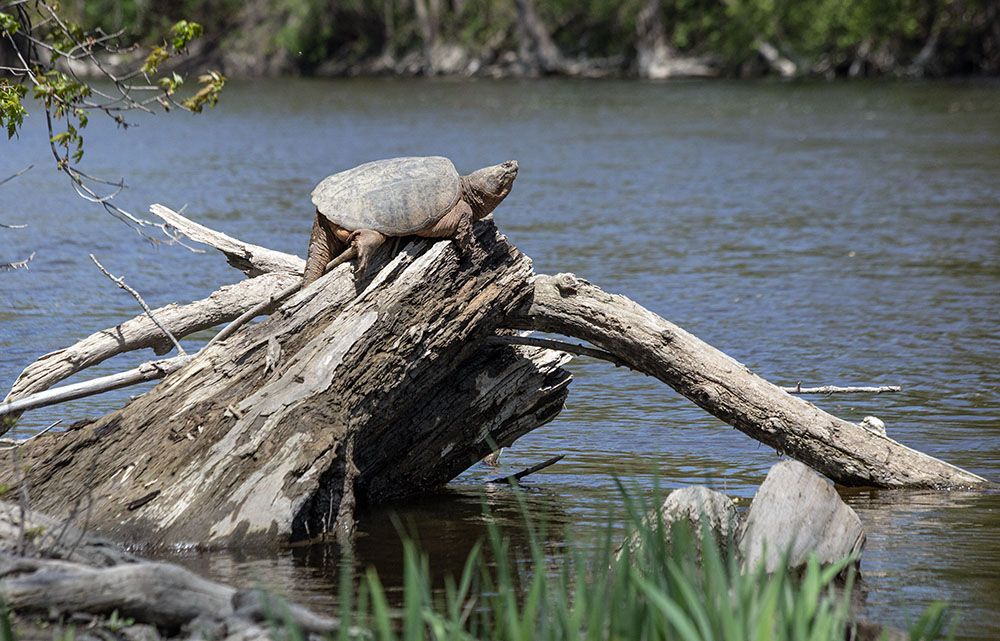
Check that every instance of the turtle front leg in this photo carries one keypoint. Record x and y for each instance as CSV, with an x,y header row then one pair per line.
x,y
321,245
456,224
366,241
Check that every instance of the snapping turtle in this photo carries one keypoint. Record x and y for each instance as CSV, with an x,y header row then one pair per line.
x,y
361,207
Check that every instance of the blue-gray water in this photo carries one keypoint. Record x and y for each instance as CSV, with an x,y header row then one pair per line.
x,y
841,234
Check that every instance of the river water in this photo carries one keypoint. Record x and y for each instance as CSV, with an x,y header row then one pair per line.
x,y
844,233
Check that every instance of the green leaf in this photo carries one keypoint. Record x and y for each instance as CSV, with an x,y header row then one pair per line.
x,y
9,24
12,112
184,32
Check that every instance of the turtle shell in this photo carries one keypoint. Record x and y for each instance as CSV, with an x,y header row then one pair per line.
x,y
396,197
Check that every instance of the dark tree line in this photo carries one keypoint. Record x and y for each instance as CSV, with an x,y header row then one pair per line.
x,y
652,38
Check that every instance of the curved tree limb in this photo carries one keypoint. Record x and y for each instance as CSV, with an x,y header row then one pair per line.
x,y
843,451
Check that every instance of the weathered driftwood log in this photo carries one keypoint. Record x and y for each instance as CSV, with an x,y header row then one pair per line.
x,y
371,389
843,451
26,533
50,569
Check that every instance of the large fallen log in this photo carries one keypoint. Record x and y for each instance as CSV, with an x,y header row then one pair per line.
x,y
350,391
360,391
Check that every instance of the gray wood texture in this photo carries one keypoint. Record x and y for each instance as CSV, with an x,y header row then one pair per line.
x,y
845,452
351,391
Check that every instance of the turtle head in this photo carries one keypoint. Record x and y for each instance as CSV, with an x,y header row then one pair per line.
x,y
485,188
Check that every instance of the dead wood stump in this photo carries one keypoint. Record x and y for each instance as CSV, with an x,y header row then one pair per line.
x,y
350,391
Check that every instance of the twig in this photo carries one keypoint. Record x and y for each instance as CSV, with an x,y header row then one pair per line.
x,y
120,281
13,176
547,343
18,265
833,389
523,473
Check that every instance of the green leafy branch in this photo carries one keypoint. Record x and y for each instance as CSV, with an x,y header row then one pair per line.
x,y
40,36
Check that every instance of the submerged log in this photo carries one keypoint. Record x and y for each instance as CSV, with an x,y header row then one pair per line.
x,y
365,390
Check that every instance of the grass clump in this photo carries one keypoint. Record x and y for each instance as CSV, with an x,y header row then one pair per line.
x,y
679,587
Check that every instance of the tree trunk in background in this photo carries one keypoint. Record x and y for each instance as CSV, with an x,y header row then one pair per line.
x,y
655,58
652,51
537,50
429,22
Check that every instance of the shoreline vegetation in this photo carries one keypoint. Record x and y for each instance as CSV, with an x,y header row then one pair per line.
x,y
653,39
687,570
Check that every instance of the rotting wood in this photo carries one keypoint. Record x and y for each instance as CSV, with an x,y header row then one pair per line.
x,y
843,451
395,361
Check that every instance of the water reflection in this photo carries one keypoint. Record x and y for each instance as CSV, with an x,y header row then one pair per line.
x,y
904,563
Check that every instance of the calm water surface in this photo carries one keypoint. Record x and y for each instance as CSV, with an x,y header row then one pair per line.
x,y
823,233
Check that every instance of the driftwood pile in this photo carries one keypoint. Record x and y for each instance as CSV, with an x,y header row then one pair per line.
x,y
358,391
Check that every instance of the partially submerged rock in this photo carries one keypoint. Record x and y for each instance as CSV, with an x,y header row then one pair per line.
x,y
797,511
696,506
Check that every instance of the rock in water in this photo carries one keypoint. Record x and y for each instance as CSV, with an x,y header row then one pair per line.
x,y
694,506
797,510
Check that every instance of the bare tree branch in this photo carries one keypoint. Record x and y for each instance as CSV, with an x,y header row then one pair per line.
x,y
18,265
13,176
120,281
